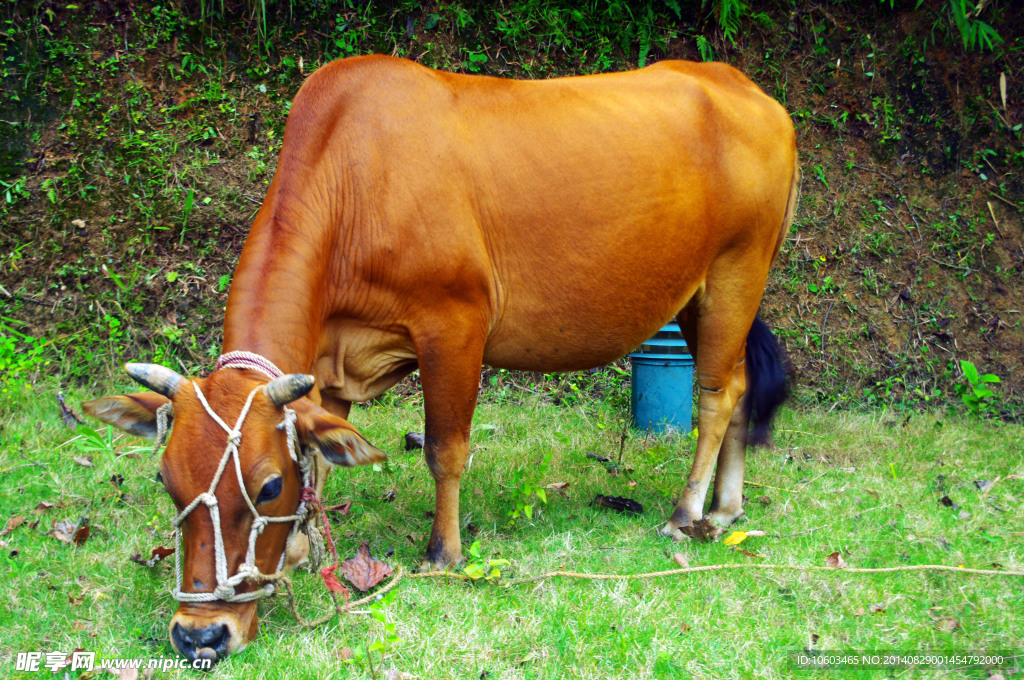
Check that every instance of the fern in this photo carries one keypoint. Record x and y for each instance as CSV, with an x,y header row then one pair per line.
x,y
704,47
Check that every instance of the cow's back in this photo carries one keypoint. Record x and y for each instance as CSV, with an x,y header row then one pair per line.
x,y
586,208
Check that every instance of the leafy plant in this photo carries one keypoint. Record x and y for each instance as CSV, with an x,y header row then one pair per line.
x,y
977,395
526,488
363,656
479,568
975,33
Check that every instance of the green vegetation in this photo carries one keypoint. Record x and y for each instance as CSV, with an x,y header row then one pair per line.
x,y
886,489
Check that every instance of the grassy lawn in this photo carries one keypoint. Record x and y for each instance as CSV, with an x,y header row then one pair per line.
x,y
867,485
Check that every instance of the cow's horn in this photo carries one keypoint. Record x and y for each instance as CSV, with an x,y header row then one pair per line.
x,y
160,379
288,388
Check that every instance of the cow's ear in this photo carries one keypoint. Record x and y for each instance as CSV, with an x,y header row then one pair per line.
x,y
133,413
338,441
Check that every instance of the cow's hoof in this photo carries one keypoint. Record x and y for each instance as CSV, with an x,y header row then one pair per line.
x,y
673,532
428,565
724,518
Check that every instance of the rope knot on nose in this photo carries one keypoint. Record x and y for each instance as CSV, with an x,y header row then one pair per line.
x,y
208,499
234,438
224,592
259,524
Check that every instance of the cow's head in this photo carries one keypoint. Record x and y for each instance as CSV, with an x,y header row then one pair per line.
x,y
273,481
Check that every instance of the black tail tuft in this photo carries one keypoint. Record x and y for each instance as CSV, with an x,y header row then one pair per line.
x,y
767,380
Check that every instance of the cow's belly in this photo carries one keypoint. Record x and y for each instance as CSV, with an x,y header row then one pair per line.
x,y
578,328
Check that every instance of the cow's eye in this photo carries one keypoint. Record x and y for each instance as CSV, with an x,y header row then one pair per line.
x,y
270,490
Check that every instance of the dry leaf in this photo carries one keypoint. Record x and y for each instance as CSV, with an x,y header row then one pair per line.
x,y
84,461
389,496
681,560
755,533
859,612
620,503
557,486
947,624
702,530
67,414
749,554
69,532
735,538
12,524
364,571
876,609
835,561
341,508
345,653
158,554
128,674
414,441
42,507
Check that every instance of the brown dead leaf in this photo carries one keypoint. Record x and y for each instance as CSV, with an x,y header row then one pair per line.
x,y
755,533
345,653
84,461
67,414
859,612
69,532
681,560
389,496
341,508
835,561
364,571
12,524
748,553
702,530
685,628
42,507
128,674
557,486
947,624
156,555
876,609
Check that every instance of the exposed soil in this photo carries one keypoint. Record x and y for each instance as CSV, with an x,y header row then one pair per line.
x,y
906,256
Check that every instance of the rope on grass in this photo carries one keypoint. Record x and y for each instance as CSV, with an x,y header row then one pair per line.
x,y
339,608
779,567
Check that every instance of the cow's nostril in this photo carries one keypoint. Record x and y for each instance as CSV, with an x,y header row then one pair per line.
x,y
200,642
183,641
215,637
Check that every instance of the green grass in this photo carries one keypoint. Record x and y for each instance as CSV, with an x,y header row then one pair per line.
x,y
867,485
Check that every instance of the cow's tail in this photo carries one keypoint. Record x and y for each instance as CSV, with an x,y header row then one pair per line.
x,y
767,366
767,380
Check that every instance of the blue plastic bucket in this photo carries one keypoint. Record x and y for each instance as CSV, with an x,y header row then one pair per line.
x,y
662,383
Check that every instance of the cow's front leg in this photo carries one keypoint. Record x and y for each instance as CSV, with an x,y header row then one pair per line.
x,y
450,373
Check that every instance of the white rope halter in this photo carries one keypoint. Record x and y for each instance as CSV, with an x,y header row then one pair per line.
x,y
225,588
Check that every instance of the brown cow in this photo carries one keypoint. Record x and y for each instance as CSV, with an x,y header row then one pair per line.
x,y
421,219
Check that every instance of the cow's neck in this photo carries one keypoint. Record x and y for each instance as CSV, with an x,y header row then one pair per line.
x,y
276,304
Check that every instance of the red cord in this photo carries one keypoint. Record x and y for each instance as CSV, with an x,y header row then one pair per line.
x,y
310,497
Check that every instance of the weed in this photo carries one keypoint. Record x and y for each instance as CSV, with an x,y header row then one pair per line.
x,y
976,394
477,567
526,489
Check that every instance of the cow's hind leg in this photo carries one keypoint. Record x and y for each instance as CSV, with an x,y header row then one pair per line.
x,y
718,337
727,501
450,372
